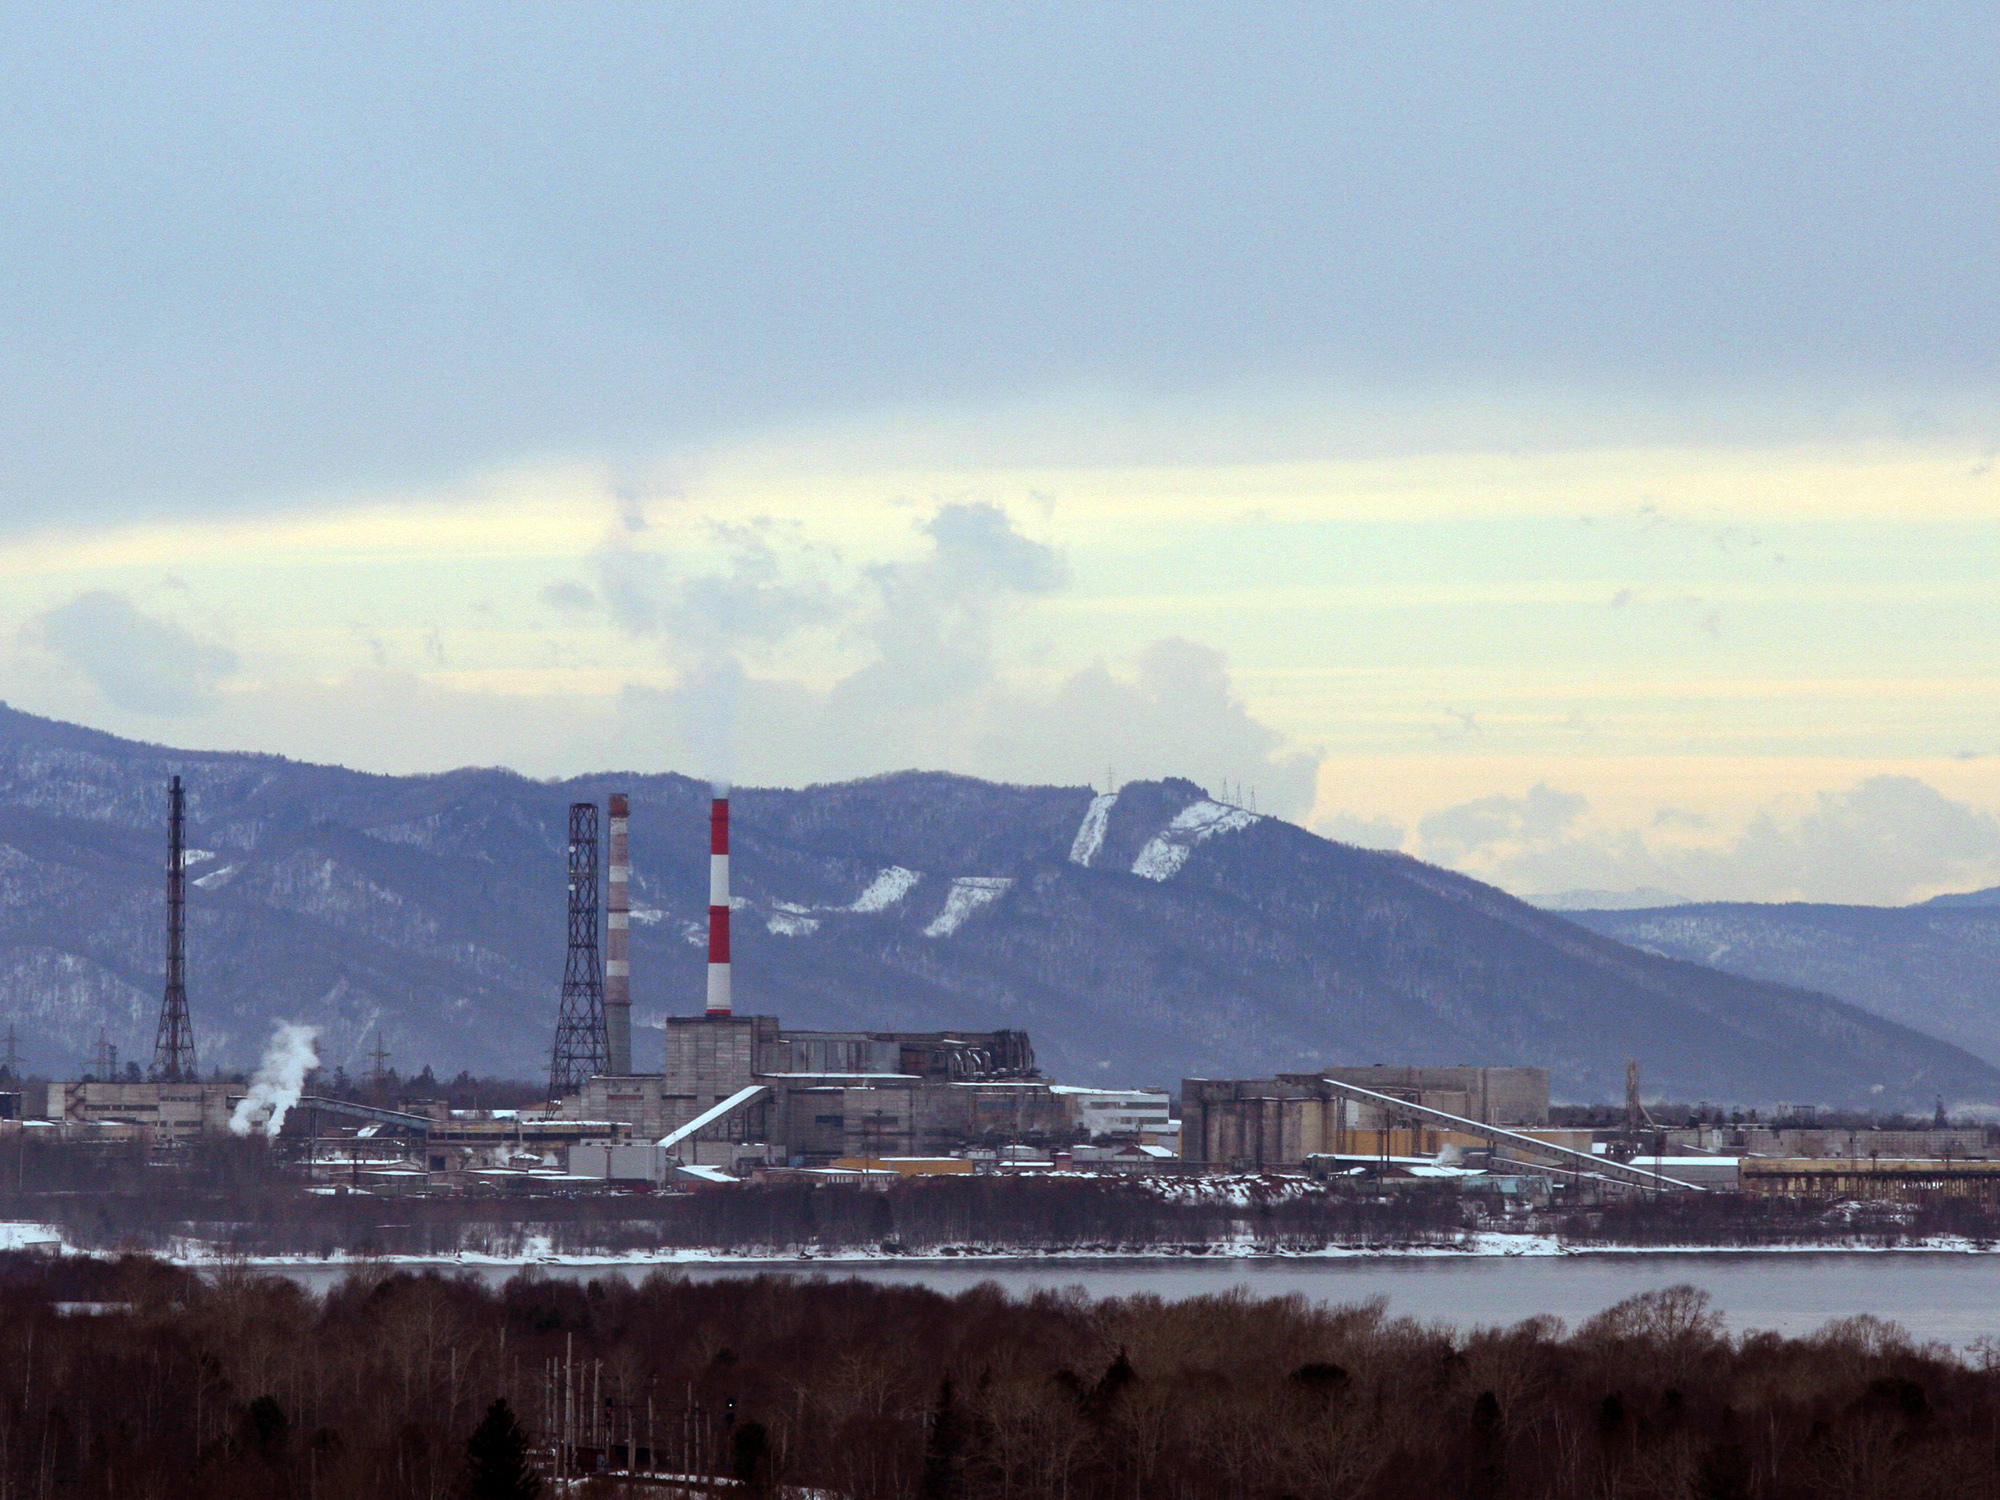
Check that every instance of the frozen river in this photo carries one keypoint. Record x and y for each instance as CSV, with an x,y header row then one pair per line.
x,y
1954,1298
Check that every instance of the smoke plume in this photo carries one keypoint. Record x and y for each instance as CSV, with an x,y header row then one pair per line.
x,y
281,1078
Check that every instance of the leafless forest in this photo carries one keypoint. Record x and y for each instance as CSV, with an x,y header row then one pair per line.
x,y
136,1380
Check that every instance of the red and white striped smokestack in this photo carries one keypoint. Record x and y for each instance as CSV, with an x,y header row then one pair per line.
x,y
718,903
618,946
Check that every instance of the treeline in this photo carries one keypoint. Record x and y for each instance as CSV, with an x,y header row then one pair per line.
x,y
247,1388
1747,1220
232,1196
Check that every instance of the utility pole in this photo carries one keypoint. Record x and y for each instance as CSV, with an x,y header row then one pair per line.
x,y
378,1073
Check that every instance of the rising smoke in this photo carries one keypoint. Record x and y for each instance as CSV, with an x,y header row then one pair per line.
x,y
281,1078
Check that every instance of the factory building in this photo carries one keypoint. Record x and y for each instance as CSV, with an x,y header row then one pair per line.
x,y
740,1089
1279,1122
171,1113
809,1097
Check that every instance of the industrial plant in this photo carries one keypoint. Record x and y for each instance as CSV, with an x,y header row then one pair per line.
x,y
733,1098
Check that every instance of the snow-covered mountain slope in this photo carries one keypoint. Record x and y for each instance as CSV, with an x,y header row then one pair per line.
x,y
1140,938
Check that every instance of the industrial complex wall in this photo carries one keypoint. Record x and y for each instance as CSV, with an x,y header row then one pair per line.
x,y
1271,1122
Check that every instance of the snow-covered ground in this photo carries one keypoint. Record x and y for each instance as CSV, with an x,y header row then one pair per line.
x,y
1495,1244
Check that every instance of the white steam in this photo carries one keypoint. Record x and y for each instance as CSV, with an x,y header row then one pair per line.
x,y
281,1078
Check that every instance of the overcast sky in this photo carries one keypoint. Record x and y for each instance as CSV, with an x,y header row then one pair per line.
x,y
1556,440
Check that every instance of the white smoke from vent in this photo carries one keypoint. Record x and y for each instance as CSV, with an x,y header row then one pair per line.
x,y
281,1078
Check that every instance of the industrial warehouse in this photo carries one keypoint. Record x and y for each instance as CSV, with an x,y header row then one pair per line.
x,y
741,1098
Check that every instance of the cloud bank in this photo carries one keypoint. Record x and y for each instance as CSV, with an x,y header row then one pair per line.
x,y
1885,841
927,682
139,663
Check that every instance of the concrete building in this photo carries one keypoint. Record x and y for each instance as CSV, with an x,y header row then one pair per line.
x,y
1958,1143
1279,1122
171,1113
817,1096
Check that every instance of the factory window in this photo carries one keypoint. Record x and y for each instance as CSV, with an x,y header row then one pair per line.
x,y
836,1120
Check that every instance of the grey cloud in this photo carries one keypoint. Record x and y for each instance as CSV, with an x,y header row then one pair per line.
x,y
572,597
139,663
613,259
756,598
978,547
1679,817
932,692
1887,840
1543,814
1887,837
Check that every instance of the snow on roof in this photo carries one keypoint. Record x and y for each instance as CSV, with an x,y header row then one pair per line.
x,y
1432,1169
713,1174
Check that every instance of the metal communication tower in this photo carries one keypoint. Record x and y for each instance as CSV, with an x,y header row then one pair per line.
x,y
582,1050
173,1043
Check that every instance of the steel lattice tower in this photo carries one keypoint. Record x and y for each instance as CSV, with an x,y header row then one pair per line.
x,y
173,1043
582,1049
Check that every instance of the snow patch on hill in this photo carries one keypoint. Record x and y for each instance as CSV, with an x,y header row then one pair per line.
x,y
968,894
1090,833
886,889
788,920
1169,849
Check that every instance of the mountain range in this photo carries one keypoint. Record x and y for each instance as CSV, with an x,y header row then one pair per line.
x,y
1935,965
1139,936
